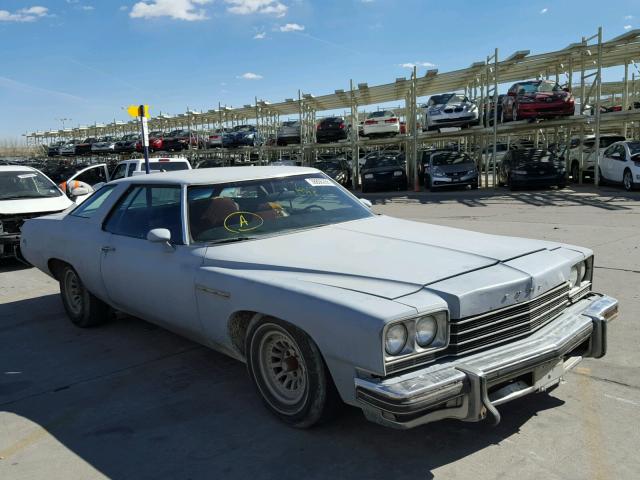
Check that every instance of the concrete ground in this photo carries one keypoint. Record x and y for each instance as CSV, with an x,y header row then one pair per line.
x,y
131,400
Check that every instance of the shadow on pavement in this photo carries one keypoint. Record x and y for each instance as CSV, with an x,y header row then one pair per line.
x,y
136,401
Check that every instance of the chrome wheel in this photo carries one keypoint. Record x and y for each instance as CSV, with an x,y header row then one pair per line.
x,y
282,367
627,180
73,291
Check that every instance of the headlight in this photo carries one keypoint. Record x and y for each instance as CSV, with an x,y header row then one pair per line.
x,y
519,172
471,172
396,339
577,274
437,172
397,173
426,330
434,112
368,175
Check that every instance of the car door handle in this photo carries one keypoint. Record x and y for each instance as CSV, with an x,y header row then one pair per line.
x,y
108,249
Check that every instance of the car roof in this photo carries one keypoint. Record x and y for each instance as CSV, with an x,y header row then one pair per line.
x,y
17,168
201,176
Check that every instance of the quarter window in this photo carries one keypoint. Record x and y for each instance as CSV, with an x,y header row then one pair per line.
x,y
143,208
119,172
89,207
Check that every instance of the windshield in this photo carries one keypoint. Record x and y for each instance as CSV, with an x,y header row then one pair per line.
x,y
327,165
532,155
443,99
167,166
535,87
375,162
244,128
385,113
451,159
26,184
257,208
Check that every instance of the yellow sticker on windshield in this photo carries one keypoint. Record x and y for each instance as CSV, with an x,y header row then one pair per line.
x,y
239,222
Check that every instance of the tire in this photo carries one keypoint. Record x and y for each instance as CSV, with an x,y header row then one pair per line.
x,y
83,308
575,172
474,186
514,113
627,180
603,181
303,394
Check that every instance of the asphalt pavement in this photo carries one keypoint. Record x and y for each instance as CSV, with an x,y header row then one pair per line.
x,y
131,400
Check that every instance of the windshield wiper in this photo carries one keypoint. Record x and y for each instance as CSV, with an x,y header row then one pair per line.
x,y
231,240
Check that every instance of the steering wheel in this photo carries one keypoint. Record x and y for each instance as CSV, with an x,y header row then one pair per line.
x,y
309,207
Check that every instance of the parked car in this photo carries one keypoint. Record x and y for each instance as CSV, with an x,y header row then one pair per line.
x,y
383,171
219,138
179,140
450,169
53,150
136,166
425,159
156,142
70,177
335,167
581,156
489,109
532,167
620,164
84,147
449,110
245,136
69,148
106,144
537,99
331,129
127,144
289,133
24,193
211,163
487,155
383,122
229,258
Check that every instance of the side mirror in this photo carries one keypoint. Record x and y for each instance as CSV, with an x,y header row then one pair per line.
x,y
566,89
366,202
80,191
160,235
511,94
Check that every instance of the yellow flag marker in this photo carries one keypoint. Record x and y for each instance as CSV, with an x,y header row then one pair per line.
x,y
134,111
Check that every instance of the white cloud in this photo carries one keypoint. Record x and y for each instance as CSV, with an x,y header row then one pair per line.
x,y
366,1
123,8
260,36
544,10
627,27
628,17
248,7
30,14
417,64
250,76
291,27
87,8
177,9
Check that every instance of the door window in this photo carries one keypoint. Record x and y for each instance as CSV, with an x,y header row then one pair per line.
x,y
143,208
119,172
87,208
92,176
131,169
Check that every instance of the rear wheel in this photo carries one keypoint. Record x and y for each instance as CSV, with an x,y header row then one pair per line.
x,y
575,172
627,180
289,373
83,308
514,113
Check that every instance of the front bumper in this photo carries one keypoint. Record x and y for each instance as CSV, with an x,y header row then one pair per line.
x,y
538,181
540,110
383,183
9,245
452,120
462,180
469,388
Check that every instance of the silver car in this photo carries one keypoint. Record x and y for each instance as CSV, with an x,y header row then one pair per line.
x,y
282,268
289,132
106,144
449,110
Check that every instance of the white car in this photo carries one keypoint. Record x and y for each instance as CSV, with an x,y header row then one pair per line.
x,y
104,145
284,269
69,148
449,110
383,122
136,166
24,193
89,178
620,163
582,157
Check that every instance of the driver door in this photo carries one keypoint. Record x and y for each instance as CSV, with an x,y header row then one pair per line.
x,y
153,281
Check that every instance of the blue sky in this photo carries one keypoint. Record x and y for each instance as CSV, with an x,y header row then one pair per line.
x,y
86,59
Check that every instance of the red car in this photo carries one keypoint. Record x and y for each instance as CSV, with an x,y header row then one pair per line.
x,y
537,99
155,142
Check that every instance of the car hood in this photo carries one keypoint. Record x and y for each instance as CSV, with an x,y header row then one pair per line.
x,y
381,256
461,167
34,205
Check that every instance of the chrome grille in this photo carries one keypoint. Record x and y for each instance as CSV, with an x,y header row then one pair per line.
x,y
506,324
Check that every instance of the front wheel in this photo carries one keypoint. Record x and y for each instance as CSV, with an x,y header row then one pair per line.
x,y
289,373
82,307
627,180
575,172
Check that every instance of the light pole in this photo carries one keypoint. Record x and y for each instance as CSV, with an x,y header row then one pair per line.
x,y
63,120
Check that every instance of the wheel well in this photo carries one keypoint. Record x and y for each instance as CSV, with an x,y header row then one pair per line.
x,y
55,267
237,328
